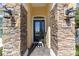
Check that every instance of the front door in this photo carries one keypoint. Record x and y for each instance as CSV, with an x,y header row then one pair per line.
x,y
39,30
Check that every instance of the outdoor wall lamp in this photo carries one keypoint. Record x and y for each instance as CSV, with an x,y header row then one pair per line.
x,y
69,13
7,13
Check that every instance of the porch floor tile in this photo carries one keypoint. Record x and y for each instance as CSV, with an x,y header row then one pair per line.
x,y
38,51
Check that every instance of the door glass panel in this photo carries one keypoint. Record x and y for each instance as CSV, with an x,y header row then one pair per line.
x,y
36,31
37,26
39,29
43,25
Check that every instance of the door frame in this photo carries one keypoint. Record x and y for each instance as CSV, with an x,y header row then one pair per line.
x,y
33,25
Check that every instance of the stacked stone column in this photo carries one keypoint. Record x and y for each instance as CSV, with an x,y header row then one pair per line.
x,y
62,32
66,33
11,31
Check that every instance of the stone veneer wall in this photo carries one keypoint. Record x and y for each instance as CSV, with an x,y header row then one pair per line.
x,y
11,32
14,31
54,29
62,32
62,35
23,28
66,33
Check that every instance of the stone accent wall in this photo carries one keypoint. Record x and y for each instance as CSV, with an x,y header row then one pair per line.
x,y
54,29
11,31
66,33
15,34
23,29
62,32
14,31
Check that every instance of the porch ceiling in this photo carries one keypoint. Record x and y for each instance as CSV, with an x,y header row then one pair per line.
x,y
39,4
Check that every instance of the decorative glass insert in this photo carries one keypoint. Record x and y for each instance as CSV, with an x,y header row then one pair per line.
x,y
37,26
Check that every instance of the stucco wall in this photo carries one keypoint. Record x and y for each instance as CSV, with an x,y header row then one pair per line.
x,y
29,37
40,12
31,12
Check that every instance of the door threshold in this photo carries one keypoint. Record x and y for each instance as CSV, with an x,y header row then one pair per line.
x,y
35,42
38,42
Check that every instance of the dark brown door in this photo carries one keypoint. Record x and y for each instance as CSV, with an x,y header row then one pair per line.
x,y
39,30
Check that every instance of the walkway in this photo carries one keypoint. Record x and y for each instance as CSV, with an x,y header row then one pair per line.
x,y
37,51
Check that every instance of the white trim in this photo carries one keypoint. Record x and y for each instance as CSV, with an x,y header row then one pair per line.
x,y
52,52
38,19
52,6
49,37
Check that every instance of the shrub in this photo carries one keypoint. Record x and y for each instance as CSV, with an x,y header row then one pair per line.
x,y
77,50
0,51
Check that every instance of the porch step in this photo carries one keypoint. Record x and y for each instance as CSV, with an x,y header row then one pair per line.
x,y
41,51
38,51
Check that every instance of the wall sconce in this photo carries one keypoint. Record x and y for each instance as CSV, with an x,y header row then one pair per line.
x,y
69,13
7,13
